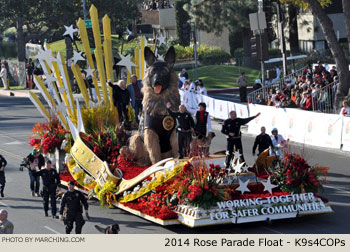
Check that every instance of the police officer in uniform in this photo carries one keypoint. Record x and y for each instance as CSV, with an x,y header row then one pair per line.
x,y
184,128
51,180
3,163
73,199
231,128
262,141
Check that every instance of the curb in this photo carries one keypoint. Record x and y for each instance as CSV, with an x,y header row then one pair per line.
x,y
22,93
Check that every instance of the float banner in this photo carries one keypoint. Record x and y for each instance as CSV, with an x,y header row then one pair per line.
x,y
346,133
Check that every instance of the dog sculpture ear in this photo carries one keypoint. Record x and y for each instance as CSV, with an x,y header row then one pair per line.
x,y
150,58
170,57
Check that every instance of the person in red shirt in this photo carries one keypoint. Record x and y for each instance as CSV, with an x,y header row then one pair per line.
x,y
308,103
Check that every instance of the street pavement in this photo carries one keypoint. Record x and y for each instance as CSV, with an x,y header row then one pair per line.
x,y
18,116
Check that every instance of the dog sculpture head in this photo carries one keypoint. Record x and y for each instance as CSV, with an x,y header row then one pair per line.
x,y
159,71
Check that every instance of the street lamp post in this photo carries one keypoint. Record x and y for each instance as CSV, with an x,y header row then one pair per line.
x,y
195,50
84,9
260,2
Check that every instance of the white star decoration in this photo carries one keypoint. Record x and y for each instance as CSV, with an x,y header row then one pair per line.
x,y
237,167
61,108
69,31
89,72
160,57
62,90
237,155
77,56
47,56
243,186
268,186
126,61
161,40
50,78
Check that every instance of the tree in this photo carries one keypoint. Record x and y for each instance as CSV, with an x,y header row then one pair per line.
x,y
213,16
316,7
346,10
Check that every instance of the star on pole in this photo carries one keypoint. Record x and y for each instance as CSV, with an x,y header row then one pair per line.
x,y
237,155
89,72
77,57
161,40
50,78
46,55
237,167
69,31
243,186
268,186
126,61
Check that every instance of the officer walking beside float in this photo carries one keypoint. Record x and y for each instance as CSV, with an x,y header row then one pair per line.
x,y
51,180
73,200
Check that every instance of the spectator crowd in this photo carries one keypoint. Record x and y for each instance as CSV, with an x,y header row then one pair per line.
x,y
156,4
313,90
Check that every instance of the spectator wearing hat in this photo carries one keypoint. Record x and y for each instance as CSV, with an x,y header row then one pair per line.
x,y
242,83
6,226
307,105
134,89
73,200
51,180
345,110
36,162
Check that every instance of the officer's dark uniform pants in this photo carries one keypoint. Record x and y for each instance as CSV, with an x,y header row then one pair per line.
x,y
2,182
233,143
50,194
184,140
79,222
243,94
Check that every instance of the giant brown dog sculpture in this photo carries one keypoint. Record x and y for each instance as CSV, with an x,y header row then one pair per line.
x,y
156,138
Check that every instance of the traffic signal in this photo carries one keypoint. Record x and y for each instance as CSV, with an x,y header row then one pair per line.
x,y
91,38
259,47
186,33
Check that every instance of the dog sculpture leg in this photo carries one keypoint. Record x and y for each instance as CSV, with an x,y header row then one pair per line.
x,y
151,140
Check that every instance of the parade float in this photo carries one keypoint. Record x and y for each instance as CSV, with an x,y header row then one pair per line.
x,y
196,191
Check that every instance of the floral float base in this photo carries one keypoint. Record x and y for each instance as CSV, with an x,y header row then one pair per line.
x,y
253,210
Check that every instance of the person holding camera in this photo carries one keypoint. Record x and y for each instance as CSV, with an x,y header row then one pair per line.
x,y
3,163
36,161
51,180
73,200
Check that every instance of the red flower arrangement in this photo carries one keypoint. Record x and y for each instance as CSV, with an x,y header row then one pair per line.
x,y
298,176
199,186
156,204
48,137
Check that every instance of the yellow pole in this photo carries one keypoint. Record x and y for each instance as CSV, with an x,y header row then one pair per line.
x,y
137,62
38,104
61,85
84,38
108,54
63,67
81,83
98,52
142,57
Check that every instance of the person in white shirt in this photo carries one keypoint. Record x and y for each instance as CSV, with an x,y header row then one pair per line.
x,y
3,76
345,110
201,89
278,142
278,75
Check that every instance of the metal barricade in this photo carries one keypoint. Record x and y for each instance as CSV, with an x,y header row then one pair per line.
x,y
325,99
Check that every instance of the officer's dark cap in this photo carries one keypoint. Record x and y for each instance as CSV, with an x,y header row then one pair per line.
x,y
71,183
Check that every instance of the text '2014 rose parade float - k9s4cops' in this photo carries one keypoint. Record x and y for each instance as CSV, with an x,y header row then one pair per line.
x,y
136,170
